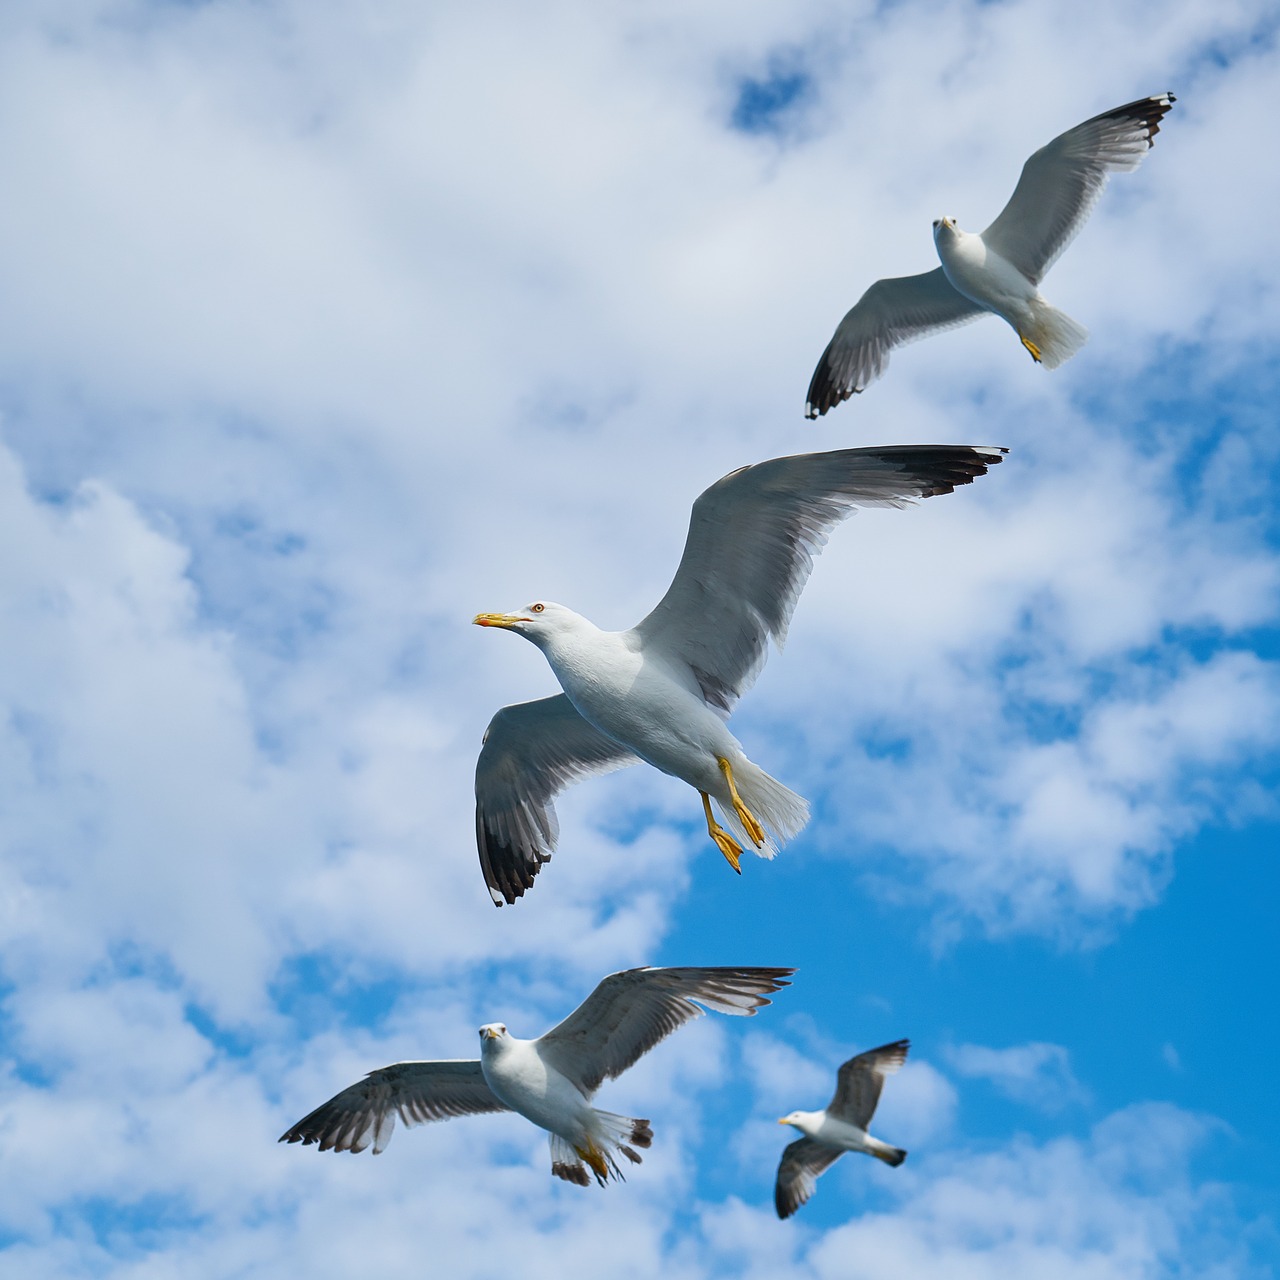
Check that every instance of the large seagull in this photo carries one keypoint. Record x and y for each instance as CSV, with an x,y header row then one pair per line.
x,y
661,692
550,1080
999,269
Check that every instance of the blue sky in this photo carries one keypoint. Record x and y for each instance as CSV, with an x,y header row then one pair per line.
x,y
323,328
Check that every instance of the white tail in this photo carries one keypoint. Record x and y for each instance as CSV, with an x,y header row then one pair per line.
x,y
608,1133
1057,335
781,812
890,1155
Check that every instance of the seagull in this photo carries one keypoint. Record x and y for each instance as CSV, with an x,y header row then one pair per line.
x,y
841,1127
550,1080
661,692
1000,269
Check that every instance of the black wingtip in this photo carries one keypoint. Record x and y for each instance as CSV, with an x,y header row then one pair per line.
x,y
825,393
508,871
1149,111
826,390
941,468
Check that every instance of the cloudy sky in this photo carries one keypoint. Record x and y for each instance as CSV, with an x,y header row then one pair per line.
x,y
324,327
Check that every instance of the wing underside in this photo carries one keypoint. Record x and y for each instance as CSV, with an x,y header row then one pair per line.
x,y
532,751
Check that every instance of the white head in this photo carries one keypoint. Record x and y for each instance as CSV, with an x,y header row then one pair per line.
x,y
945,229
543,621
806,1121
491,1033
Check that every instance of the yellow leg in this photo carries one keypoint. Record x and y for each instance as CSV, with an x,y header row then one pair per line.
x,y
595,1159
745,816
1031,346
727,845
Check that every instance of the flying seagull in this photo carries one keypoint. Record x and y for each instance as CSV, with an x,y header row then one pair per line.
x,y
661,692
841,1127
999,270
550,1080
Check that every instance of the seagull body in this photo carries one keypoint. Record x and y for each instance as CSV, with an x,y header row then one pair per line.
x,y
1000,269
636,697
975,270
661,691
523,1081
639,699
841,1127
549,1080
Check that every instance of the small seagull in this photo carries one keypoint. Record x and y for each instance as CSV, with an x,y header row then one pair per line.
x,y
1000,269
662,691
550,1080
841,1127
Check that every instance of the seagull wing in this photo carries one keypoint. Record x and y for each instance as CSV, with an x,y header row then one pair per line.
x,y
531,751
893,311
798,1172
752,539
1061,183
629,1012
414,1091
860,1080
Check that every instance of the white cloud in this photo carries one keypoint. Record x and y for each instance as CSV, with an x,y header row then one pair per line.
x,y
1036,1073
1121,1203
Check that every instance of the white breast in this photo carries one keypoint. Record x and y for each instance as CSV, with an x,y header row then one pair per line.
x,y
981,275
642,702
517,1074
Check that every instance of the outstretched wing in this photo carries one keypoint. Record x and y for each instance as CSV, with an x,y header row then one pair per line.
x,y
798,1172
414,1091
629,1012
893,311
531,751
752,539
1061,183
861,1079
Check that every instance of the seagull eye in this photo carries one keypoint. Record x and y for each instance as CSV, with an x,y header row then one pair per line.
x,y
537,608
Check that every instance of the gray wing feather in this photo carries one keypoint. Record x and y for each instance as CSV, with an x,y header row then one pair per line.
x,y
752,540
860,1080
532,750
798,1171
631,1011
893,311
416,1092
1062,181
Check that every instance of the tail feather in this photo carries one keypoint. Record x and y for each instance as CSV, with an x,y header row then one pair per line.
x,y
577,1163
781,812
566,1163
1055,333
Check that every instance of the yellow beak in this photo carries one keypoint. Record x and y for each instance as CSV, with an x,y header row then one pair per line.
x,y
782,1122
496,620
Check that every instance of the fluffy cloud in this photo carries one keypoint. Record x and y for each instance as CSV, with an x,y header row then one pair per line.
x,y
1037,1073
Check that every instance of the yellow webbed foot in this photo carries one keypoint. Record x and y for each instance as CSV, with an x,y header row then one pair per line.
x,y
731,849
727,845
745,816
1031,346
753,828
595,1158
